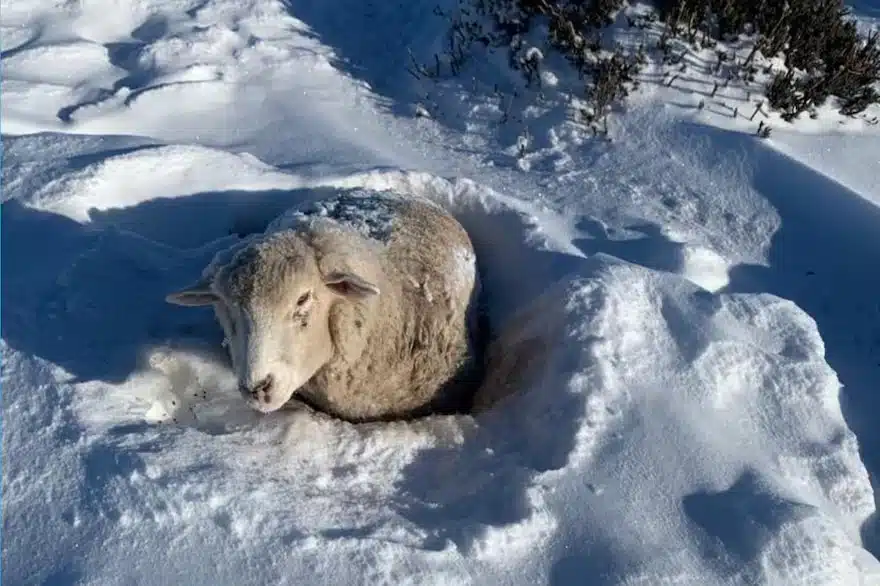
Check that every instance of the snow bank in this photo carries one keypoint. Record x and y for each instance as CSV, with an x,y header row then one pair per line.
x,y
114,182
644,429
706,440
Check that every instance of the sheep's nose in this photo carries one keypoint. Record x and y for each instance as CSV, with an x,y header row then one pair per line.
x,y
264,386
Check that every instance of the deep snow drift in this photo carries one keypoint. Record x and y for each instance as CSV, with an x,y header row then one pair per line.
x,y
675,313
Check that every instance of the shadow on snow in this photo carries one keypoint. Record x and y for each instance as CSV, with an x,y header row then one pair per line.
x,y
824,257
90,298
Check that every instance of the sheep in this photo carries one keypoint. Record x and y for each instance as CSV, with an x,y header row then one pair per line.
x,y
362,306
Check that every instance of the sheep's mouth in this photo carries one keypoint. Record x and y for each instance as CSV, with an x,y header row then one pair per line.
x,y
265,401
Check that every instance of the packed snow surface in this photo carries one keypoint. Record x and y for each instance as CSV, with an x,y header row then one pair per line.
x,y
686,361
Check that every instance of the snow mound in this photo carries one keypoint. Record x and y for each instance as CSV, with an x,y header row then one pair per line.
x,y
634,425
153,173
700,427
88,64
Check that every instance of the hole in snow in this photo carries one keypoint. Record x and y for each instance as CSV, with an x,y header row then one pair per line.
x,y
452,476
516,262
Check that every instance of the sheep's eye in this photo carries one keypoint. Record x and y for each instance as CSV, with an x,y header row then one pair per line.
x,y
304,298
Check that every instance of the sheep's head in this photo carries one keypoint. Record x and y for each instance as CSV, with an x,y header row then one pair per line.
x,y
279,302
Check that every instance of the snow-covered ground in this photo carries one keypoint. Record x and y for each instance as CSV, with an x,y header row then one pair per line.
x,y
690,315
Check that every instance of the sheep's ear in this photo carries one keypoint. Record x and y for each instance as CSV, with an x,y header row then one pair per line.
x,y
350,285
194,295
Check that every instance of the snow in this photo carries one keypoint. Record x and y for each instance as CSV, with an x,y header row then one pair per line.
x,y
682,383
370,214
